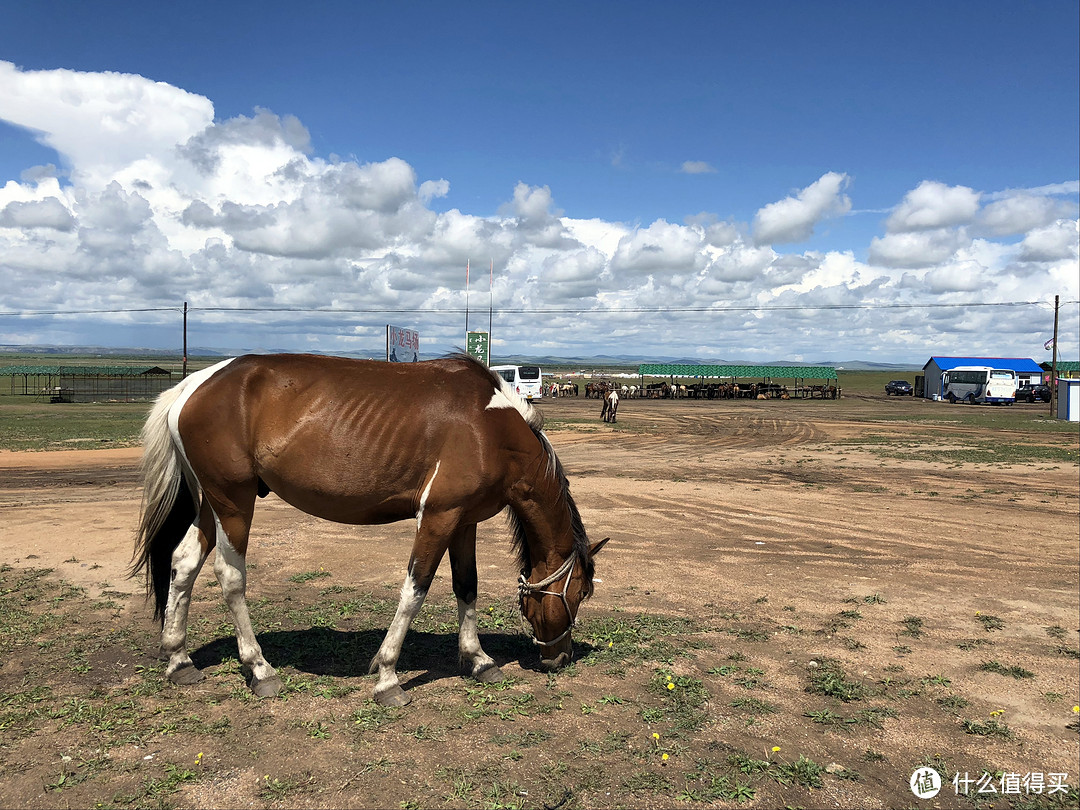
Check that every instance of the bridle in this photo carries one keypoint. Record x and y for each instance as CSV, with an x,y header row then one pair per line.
x,y
526,588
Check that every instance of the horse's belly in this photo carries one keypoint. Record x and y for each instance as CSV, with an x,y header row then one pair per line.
x,y
343,499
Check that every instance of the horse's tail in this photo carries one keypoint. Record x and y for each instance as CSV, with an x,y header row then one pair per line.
x,y
169,502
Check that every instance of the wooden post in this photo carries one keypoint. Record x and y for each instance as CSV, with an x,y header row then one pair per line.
x,y
183,372
1053,364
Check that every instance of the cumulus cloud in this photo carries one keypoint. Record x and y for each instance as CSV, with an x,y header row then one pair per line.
x,y
47,213
157,202
101,121
793,218
920,249
932,205
1056,242
1019,213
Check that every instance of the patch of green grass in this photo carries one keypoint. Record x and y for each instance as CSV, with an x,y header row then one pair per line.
x,y
307,576
828,678
989,622
681,700
913,626
643,637
803,772
26,425
1013,671
278,790
987,728
824,717
952,702
371,716
648,782
754,706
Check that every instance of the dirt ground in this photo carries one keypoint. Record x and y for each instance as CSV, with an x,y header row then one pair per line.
x,y
754,546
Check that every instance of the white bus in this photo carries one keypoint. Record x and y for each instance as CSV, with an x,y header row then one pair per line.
x,y
527,381
972,384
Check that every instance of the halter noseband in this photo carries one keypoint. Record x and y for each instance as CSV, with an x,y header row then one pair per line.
x,y
526,588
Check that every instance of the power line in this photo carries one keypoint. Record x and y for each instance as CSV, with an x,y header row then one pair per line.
x,y
540,310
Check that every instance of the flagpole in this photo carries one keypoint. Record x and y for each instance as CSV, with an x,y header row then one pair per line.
x,y
491,277
466,299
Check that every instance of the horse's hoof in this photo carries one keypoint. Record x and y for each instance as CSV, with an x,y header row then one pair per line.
x,y
266,687
393,697
489,674
186,675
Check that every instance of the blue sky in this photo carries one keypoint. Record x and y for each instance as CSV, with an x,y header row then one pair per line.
x,y
738,157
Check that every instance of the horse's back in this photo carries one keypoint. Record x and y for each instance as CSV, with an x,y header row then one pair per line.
x,y
354,440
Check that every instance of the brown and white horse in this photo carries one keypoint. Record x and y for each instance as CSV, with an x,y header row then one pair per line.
x,y
610,406
443,442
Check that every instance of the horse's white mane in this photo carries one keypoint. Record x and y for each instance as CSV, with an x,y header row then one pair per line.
x,y
533,418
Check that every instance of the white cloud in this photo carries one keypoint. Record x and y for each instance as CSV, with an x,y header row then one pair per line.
x,y
101,122
956,277
793,218
662,247
1019,214
696,167
932,205
47,213
1057,242
919,249
163,204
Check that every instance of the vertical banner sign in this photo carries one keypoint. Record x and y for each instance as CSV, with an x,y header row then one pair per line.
x,y
402,345
478,345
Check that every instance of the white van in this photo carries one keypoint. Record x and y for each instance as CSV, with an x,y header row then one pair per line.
x,y
527,381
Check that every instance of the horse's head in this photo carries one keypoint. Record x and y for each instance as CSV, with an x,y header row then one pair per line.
x,y
550,605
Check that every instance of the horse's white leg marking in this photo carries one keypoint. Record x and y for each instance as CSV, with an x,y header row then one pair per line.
x,y
470,652
387,690
187,560
231,571
424,496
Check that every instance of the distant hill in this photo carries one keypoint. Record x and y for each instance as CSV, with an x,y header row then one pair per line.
x,y
633,361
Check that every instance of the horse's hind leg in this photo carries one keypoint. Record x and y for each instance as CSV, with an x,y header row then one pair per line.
x,y
463,564
230,568
187,561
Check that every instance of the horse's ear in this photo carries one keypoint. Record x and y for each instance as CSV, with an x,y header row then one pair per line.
x,y
595,547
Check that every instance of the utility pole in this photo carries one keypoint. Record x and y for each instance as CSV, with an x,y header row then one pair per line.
x,y
183,373
1053,364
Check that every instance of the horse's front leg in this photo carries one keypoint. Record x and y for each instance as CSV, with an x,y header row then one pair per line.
x,y
463,564
434,530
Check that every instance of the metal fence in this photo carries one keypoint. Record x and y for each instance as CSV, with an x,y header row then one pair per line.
x,y
88,383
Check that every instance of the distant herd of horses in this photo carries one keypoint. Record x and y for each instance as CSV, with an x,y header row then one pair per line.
x,y
716,390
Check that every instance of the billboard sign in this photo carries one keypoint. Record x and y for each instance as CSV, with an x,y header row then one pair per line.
x,y
402,345
478,345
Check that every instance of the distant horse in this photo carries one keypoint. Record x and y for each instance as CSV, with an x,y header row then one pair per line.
x,y
444,442
610,406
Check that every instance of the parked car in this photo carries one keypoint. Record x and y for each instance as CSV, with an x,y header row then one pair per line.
x,y
902,388
1029,392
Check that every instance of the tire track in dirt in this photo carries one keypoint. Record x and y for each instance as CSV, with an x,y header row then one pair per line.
x,y
720,431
